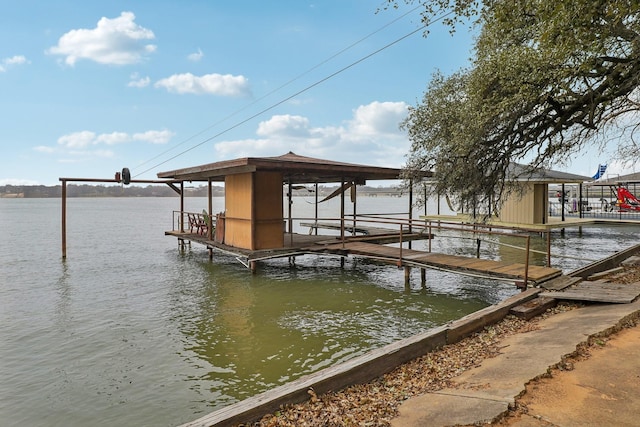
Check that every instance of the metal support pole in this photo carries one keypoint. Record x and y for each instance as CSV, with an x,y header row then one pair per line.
x,y
342,211
316,211
210,225
526,264
354,200
64,219
580,201
549,248
182,206
425,199
562,202
410,209
290,226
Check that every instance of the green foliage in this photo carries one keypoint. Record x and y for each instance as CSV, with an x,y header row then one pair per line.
x,y
547,79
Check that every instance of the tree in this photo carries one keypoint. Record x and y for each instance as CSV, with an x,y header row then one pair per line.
x,y
547,79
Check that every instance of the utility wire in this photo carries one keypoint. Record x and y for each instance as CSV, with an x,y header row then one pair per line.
x,y
298,77
305,89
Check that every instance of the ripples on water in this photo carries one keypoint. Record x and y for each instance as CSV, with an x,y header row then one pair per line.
x,y
130,331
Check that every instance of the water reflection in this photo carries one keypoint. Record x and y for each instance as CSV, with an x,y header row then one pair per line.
x,y
63,288
250,333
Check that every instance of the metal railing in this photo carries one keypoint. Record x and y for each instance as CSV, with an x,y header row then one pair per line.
x,y
193,222
408,226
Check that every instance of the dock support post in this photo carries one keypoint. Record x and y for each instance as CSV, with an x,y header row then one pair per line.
x,y
210,207
410,210
526,265
407,277
549,247
64,219
478,248
210,254
341,262
252,267
423,277
342,214
182,206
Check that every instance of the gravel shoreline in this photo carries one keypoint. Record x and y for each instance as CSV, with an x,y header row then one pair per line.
x,y
376,403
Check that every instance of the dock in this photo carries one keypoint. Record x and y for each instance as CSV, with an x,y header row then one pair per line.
x,y
375,246
452,263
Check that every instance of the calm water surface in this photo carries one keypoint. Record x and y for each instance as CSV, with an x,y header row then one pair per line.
x,y
131,331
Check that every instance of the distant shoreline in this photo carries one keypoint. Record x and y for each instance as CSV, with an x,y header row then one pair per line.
x,y
74,190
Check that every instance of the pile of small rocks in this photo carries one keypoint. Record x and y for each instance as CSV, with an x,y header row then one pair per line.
x,y
377,402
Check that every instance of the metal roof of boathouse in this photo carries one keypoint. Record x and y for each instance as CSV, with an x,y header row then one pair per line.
x,y
298,169
520,172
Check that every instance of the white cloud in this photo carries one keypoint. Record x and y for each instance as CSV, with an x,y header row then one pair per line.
x,y
378,118
196,56
285,126
137,81
154,136
213,84
84,139
77,139
11,61
117,41
371,136
112,138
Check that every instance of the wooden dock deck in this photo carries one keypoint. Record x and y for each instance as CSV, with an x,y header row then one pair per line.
x,y
375,247
453,263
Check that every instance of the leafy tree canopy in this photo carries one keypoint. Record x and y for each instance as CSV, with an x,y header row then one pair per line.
x,y
547,78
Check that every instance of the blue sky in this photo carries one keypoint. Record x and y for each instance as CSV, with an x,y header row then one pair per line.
x,y
91,87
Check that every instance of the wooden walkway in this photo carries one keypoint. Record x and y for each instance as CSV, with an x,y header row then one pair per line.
x,y
598,291
373,247
349,228
453,263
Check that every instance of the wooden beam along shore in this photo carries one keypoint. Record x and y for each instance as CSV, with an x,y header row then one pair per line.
x,y
362,368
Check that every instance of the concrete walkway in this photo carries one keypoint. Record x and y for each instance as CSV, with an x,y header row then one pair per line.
x,y
484,393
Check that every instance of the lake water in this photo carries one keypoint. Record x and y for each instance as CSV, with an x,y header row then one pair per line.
x,y
129,330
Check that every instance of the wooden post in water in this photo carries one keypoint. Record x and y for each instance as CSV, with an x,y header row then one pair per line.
x,y
423,277
407,277
64,219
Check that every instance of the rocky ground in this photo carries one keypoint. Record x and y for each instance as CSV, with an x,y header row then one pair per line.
x,y
376,403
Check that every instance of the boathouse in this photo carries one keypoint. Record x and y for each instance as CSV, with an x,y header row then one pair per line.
x,y
253,226
254,194
530,205
527,206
